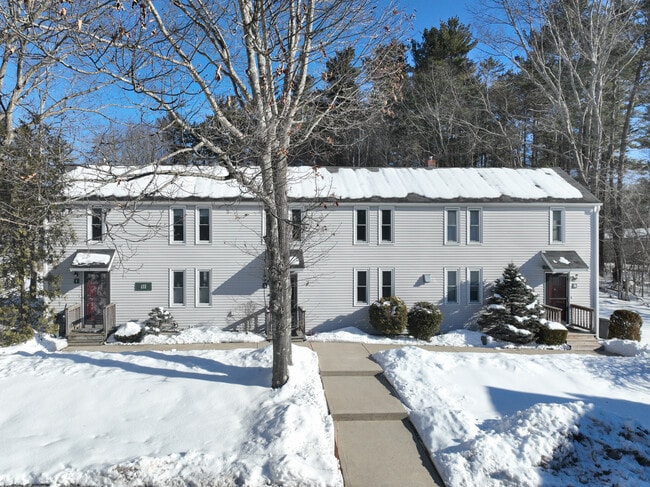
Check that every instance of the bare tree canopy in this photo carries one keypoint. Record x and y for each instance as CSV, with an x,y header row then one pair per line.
x,y
248,70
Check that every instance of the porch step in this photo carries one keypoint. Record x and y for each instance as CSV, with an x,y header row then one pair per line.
x,y
85,338
583,342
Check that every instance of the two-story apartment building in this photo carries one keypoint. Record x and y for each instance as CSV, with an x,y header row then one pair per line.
x,y
194,243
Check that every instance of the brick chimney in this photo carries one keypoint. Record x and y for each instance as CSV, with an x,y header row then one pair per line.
x,y
431,162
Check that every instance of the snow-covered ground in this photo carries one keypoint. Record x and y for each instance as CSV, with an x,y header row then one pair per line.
x,y
165,418
162,418
512,420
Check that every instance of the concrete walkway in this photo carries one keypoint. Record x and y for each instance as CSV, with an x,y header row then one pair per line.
x,y
376,443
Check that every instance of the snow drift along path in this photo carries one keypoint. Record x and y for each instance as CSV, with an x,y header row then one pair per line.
x,y
163,418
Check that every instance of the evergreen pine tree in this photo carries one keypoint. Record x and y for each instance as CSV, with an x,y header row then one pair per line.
x,y
512,312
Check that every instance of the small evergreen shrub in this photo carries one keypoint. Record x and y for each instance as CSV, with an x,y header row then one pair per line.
x,y
159,320
549,335
423,320
388,316
130,332
625,324
512,312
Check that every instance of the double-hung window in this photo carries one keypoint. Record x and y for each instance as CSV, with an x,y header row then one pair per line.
x,y
177,288
451,283
387,282
386,225
296,224
203,225
361,225
474,223
97,224
474,285
557,225
202,287
451,226
361,286
177,225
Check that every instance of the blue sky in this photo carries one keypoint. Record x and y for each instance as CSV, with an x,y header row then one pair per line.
x,y
429,13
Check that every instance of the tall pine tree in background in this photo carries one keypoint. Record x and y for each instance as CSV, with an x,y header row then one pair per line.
x,y
512,313
33,230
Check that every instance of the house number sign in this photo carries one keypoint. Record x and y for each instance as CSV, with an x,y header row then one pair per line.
x,y
143,286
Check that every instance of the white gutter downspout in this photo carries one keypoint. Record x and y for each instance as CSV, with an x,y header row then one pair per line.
x,y
595,268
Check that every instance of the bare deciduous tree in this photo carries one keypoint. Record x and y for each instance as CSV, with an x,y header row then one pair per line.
x,y
245,68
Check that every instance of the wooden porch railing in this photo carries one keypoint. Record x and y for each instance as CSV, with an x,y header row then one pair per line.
x,y
72,318
582,317
297,325
552,313
109,318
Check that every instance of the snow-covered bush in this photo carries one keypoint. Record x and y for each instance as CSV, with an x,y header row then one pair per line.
x,y
512,312
625,324
551,333
388,315
159,320
131,332
423,320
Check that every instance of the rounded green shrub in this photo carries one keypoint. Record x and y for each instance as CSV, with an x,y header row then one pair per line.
x,y
552,336
388,315
625,324
423,320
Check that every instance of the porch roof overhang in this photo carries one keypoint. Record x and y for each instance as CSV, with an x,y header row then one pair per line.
x,y
96,260
560,261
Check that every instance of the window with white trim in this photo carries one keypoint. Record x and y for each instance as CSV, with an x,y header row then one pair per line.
x,y
177,288
296,224
97,224
361,286
474,225
203,285
451,226
387,283
203,225
451,285
474,285
386,225
177,225
557,225
361,225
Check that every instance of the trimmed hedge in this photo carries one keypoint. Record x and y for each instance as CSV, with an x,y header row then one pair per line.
x,y
423,320
388,315
547,336
625,324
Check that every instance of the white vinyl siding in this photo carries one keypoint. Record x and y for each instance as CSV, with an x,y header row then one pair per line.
x,y
474,226
203,225
452,227
557,229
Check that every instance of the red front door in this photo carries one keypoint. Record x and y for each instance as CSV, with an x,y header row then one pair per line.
x,y
96,297
557,293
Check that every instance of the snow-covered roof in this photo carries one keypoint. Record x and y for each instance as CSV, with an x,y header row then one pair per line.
x,y
92,260
341,183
